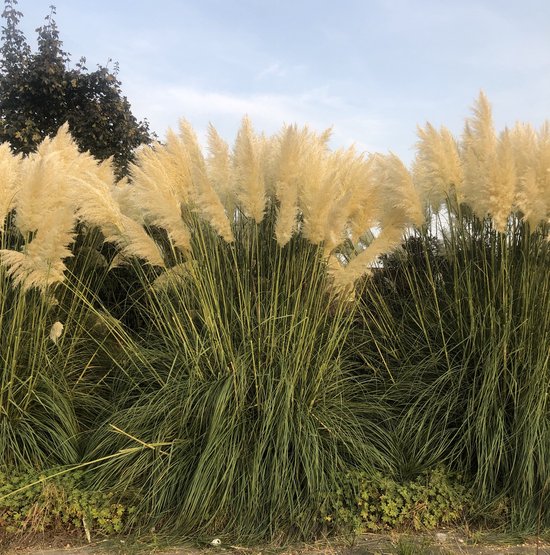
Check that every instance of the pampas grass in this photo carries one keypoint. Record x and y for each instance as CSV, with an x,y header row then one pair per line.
x,y
9,172
497,176
458,321
247,168
252,389
228,336
329,198
204,194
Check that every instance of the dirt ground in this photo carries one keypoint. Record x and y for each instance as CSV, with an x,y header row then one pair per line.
x,y
440,543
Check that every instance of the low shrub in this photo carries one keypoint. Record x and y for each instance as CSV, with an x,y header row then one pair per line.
x,y
373,502
30,502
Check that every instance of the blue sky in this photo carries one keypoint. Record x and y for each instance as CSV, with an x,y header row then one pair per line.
x,y
371,69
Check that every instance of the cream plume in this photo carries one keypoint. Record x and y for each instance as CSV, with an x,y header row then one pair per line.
x,y
437,169
400,203
174,158
249,179
504,188
399,207
206,198
41,264
490,179
543,169
365,202
533,197
123,194
352,180
56,331
174,275
9,181
286,186
44,186
95,203
220,171
134,242
345,276
315,191
154,191
479,159
494,175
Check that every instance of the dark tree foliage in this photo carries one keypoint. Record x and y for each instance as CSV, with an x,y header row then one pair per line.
x,y
39,91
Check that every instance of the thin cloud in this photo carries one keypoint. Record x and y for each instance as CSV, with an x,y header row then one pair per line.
x,y
268,112
273,70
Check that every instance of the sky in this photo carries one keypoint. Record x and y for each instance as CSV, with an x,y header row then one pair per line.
x,y
371,69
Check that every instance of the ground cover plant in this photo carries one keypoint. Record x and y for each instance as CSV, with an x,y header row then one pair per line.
x,y
58,502
374,502
272,349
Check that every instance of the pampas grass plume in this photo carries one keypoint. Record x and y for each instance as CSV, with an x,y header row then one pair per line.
x,y
41,264
133,241
219,168
479,159
9,181
504,187
437,169
249,179
56,331
286,184
154,192
205,196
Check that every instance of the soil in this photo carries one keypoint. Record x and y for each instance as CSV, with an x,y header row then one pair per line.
x,y
440,543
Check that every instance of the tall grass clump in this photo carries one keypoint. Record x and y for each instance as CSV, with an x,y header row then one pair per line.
x,y
253,410
37,420
460,318
227,339
56,209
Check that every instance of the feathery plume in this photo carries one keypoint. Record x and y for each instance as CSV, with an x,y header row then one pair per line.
x,y
154,192
123,194
344,277
490,178
352,178
205,196
268,157
174,158
479,159
400,203
69,159
249,179
398,208
543,168
533,196
437,168
41,264
524,144
315,191
56,331
43,188
286,186
134,242
9,181
365,201
174,275
504,187
95,204
220,171
494,175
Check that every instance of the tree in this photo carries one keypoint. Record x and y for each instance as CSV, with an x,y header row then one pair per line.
x,y
39,91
